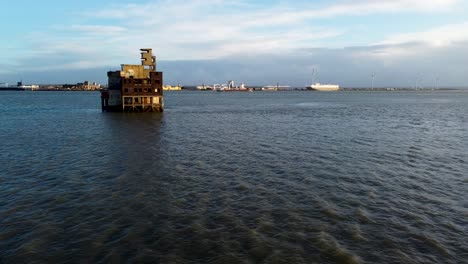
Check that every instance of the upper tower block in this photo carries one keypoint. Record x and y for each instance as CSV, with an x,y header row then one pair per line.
x,y
148,60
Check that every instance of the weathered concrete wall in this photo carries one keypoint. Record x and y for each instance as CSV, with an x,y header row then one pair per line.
x,y
147,58
135,88
137,71
115,98
114,80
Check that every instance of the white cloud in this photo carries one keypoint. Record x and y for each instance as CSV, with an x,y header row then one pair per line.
x,y
216,29
388,6
439,36
209,29
97,29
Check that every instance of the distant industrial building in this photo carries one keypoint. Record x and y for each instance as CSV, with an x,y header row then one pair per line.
x,y
90,86
32,87
135,88
84,86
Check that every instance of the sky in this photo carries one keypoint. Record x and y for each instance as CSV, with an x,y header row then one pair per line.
x,y
402,43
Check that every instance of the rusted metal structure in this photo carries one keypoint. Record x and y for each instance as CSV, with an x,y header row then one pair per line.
x,y
135,88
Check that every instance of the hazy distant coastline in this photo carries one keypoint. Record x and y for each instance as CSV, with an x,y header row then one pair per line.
x,y
66,87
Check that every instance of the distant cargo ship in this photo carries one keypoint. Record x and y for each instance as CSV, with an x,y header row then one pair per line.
x,y
323,87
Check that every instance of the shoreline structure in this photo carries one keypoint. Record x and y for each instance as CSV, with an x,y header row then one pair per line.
x,y
65,88
135,88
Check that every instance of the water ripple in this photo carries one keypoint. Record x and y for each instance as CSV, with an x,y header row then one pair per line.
x,y
236,178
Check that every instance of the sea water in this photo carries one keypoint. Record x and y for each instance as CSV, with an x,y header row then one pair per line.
x,y
262,177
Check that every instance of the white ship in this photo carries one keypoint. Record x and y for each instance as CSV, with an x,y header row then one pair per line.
x,y
231,87
275,87
204,87
324,87
316,86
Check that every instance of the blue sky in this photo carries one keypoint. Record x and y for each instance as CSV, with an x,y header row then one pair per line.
x,y
404,42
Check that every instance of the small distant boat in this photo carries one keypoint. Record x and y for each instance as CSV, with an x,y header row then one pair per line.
x,y
204,87
269,88
276,87
323,87
230,87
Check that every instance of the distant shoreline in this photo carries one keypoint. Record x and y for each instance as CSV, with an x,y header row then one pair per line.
x,y
257,89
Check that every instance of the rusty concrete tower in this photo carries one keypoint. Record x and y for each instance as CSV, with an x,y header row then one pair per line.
x,y
135,88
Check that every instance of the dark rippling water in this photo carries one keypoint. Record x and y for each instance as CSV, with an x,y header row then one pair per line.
x,y
280,177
